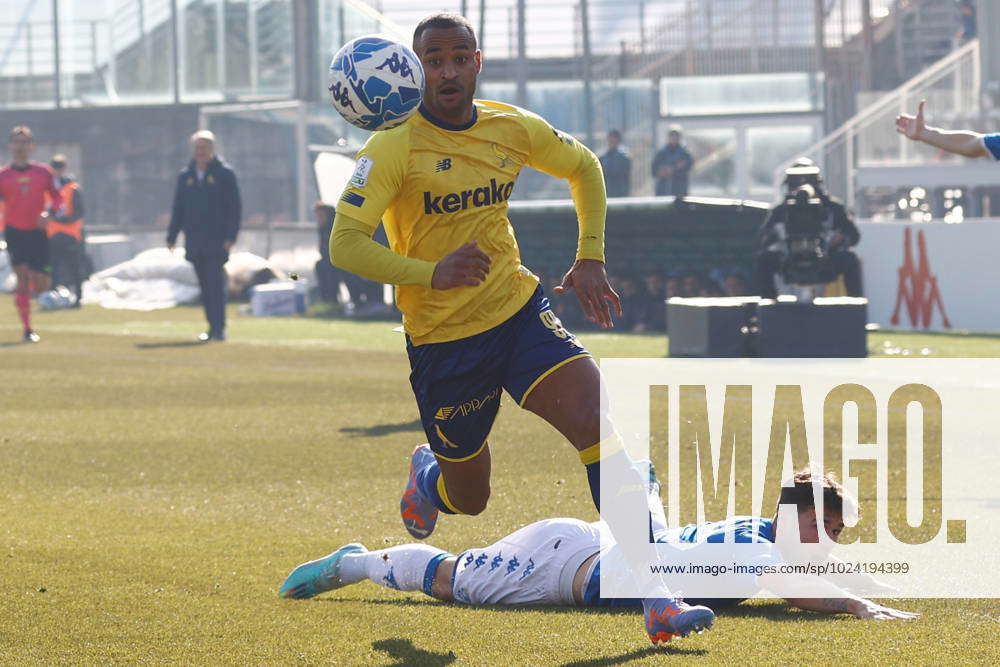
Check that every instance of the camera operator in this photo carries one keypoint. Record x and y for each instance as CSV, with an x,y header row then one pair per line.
x,y
807,238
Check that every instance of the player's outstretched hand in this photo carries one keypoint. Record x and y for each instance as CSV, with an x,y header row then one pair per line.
x,y
593,290
467,266
877,612
912,126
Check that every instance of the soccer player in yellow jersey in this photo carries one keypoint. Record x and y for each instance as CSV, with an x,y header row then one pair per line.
x,y
476,320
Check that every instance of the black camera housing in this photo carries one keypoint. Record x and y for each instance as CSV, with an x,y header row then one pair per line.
x,y
806,253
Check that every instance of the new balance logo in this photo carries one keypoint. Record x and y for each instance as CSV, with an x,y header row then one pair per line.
x,y
503,157
488,195
443,165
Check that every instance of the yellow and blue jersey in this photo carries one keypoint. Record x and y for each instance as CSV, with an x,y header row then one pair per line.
x,y
436,187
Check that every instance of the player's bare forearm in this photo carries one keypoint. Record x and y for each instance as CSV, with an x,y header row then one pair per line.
x,y
848,605
352,249
961,142
858,607
860,583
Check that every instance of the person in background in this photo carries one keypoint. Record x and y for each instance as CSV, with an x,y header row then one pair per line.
x,y
617,166
838,235
207,209
24,187
328,276
735,285
65,232
690,285
366,296
966,20
654,309
633,298
672,166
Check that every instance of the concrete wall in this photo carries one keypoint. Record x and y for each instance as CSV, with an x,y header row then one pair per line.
x,y
127,159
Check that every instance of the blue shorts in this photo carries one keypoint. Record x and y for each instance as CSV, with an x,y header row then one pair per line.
x,y
457,383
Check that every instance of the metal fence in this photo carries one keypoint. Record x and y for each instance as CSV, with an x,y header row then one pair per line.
x,y
77,53
755,82
870,166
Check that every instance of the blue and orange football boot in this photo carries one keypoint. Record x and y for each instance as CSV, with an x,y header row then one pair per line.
x,y
317,576
667,618
419,514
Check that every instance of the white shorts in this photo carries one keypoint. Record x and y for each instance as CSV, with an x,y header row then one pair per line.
x,y
534,565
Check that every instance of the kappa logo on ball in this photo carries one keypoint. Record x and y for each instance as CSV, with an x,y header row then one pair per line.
x,y
361,172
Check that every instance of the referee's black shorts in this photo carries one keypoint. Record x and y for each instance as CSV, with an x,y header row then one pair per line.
x,y
30,247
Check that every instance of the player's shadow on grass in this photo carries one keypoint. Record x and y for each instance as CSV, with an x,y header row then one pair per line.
x,y
406,653
381,429
774,611
171,343
638,654
403,649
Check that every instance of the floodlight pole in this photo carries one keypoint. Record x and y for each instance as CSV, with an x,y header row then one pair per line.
x,y
55,54
588,92
482,23
868,39
175,51
522,56
820,71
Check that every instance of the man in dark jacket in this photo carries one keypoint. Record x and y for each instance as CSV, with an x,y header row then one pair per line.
x,y
207,209
672,166
839,234
617,167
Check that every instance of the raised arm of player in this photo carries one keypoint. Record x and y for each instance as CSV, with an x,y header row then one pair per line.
x,y
560,155
961,142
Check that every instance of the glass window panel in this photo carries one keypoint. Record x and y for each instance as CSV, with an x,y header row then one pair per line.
x,y
273,60
771,146
740,94
28,66
714,153
200,46
140,42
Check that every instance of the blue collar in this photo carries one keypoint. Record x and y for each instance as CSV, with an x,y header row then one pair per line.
x,y
448,126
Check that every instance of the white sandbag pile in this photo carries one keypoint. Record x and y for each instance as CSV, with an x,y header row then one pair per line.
x,y
153,279
159,278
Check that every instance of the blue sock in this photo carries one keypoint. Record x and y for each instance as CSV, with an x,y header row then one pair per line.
x,y
427,481
594,480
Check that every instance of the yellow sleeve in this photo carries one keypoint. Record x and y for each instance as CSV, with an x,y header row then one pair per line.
x,y
352,249
560,155
378,176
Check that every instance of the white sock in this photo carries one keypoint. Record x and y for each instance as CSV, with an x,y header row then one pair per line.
x,y
404,568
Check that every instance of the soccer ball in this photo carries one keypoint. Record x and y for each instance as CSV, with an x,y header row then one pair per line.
x,y
376,83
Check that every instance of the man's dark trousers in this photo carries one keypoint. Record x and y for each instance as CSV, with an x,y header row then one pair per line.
x,y
212,281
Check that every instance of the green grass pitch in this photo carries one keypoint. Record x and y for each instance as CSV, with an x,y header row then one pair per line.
x,y
155,494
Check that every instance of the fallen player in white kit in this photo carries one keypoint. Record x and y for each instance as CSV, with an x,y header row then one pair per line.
x,y
557,562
